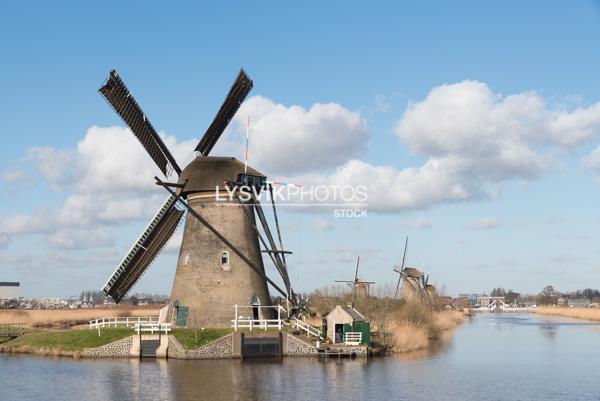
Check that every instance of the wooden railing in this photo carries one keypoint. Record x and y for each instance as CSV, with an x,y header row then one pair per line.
x,y
152,328
310,330
247,322
353,338
121,321
264,324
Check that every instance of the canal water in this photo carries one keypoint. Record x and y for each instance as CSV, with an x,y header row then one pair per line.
x,y
492,357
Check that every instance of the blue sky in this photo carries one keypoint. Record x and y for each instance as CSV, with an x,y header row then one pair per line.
x,y
521,220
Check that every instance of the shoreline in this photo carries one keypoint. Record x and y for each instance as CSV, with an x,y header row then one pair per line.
x,y
411,338
49,334
585,314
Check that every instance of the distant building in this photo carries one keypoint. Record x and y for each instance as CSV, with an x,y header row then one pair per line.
x,y
471,298
578,303
345,319
448,301
10,290
485,302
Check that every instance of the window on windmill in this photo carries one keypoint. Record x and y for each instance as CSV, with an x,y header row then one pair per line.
x,y
252,180
225,260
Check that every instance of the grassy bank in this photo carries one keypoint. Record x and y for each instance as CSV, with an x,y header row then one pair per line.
x,y
591,314
62,343
191,338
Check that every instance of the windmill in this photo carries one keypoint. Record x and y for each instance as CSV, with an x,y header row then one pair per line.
x,y
409,280
429,290
220,263
359,286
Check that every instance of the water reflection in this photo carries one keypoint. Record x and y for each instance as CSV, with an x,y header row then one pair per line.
x,y
548,331
492,357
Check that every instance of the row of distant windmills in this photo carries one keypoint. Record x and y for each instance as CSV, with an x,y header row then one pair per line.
x,y
413,284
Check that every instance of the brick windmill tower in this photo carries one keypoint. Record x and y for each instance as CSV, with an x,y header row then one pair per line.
x,y
220,263
409,281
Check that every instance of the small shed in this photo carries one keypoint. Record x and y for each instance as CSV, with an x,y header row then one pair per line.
x,y
345,319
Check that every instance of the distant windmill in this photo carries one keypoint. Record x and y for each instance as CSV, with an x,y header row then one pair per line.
x,y
359,286
429,290
409,280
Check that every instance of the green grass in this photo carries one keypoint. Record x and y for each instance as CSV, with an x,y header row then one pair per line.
x,y
187,337
70,340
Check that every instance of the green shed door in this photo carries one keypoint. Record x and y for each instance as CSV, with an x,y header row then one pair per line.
x,y
347,329
182,312
365,329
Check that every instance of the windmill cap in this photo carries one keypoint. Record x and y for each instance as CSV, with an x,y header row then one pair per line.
x,y
206,173
412,272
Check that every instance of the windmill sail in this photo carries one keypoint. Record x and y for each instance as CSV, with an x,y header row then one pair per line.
x,y
122,101
238,92
144,250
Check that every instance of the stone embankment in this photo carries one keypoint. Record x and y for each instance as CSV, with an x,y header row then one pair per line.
x,y
226,347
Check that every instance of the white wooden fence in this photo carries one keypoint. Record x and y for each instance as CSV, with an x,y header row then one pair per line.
x,y
152,328
120,321
249,322
353,338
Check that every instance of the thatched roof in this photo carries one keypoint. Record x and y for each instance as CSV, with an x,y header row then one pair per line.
x,y
412,272
356,315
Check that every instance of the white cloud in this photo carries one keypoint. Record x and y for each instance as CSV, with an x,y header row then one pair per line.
x,y
27,224
106,160
5,240
472,140
15,259
81,238
469,120
592,162
349,254
323,225
174,244
55,165
13,175
294,139
392,190
88,209
109,179
418,223
485,223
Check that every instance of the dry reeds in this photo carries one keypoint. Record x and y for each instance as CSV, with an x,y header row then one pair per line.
x,y
592,314
65,318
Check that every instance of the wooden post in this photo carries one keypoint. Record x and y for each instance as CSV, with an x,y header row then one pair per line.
x,y
279,317
235,322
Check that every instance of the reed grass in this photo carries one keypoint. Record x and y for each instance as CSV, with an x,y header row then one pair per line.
x,y
591,314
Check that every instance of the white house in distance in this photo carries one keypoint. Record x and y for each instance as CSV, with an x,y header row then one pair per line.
x,y
343,319
10,290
